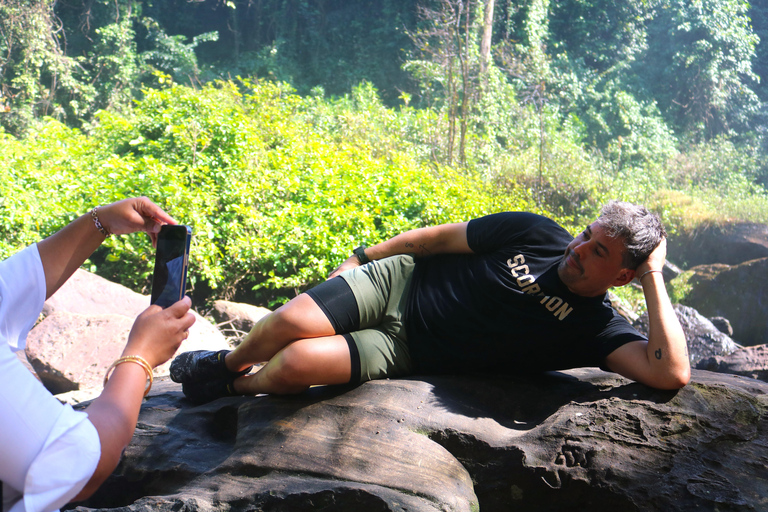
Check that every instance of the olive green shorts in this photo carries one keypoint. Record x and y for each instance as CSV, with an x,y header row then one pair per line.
x,y
381,291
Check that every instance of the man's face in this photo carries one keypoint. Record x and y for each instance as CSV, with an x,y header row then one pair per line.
x,y
593,262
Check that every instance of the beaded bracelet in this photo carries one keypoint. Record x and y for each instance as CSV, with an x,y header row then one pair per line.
x,y
104,231
133,359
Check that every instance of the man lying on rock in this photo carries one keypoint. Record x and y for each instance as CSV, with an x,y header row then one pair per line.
x,y
508,293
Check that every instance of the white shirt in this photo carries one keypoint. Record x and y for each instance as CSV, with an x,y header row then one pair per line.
x,y
48,451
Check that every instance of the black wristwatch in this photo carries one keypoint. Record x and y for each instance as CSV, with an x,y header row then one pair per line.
x,y
360,253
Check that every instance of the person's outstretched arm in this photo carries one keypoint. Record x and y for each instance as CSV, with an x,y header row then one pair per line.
x,y
155,336
663,361
428,241
63,252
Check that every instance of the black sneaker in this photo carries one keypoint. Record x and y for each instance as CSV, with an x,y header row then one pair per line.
x,y
208,390
202,366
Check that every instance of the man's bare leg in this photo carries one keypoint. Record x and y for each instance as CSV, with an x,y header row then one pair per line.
x,y
207,375
301,364
301,318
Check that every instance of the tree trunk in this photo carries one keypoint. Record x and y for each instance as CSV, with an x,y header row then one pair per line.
x,y
234,26
465,72
485,42
451,95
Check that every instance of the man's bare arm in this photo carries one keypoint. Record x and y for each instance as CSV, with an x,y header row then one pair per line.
x,y
428,241
663,361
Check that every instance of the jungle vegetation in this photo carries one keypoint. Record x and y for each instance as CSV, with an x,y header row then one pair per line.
x,y
286,132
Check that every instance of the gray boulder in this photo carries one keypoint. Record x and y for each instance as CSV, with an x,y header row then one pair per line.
x,y
70,351
237,318
85,326
703,337
88,294
748,361
722,324
737,293
578,440
729,244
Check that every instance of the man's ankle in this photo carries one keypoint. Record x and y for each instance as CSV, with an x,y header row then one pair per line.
x,y
230,362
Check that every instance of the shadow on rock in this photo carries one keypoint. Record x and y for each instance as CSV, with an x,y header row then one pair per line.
x,y
575,440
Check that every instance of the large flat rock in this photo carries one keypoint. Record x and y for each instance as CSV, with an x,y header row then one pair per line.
x,y
578,440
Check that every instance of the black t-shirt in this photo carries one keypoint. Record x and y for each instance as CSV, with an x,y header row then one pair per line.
x,y
504,308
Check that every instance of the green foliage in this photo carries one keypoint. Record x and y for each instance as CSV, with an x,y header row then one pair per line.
x,y
171,54
334,43
648,101
641,75
30,175
276,188
603,35
720,175
109,75
72,70
537,29
679,288
32,64
758,13
699,65
630,297
446,61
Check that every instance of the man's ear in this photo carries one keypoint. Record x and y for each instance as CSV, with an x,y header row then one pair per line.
x,y
625,277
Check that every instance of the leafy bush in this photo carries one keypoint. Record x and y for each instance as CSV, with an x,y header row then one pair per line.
x,y
718,176
277,189
32,172
679,288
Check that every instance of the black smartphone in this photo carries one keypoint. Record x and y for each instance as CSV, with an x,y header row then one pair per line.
x,y
169,282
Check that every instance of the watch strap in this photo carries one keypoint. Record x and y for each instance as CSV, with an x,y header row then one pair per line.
x,y
361,256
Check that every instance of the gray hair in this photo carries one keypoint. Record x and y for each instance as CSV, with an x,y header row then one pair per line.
x,y
640,230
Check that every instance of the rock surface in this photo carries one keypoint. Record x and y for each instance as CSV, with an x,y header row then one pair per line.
x,y
85,327
730,244
236,316
749,361
703,337
737,293
70,351
723,325
577,440
88,294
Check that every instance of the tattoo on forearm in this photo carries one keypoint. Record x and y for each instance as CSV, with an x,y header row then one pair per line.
x,y
421,251
658,353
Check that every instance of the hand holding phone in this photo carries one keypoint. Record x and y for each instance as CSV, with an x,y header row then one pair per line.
x,y
169,281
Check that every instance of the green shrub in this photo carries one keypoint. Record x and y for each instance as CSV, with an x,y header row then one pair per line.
x,y
679,288
278,189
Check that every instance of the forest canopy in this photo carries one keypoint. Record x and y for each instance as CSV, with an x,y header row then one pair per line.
x,y
288,131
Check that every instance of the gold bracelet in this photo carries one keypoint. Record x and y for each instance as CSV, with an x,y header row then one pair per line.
x,y
104,231
648,272
133,359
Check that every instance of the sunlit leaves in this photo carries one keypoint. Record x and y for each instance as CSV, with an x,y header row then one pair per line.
x,y
278,189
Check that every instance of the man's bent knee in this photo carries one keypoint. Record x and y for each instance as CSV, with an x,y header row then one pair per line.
x,y
310,362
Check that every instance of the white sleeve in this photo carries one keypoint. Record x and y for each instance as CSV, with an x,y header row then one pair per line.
x,y
22,295
48,450
66,463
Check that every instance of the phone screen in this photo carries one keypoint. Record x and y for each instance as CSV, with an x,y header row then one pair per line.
x,y
169,281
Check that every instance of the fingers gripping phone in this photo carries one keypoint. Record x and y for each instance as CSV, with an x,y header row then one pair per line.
x,y
169,282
